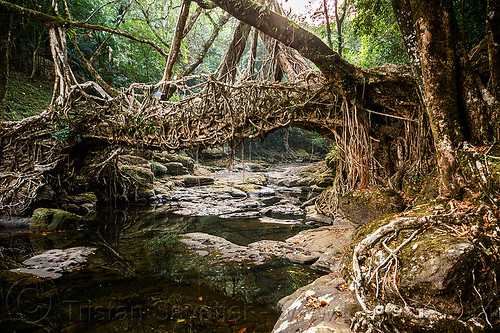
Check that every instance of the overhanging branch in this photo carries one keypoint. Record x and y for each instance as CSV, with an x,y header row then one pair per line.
x,y
54,21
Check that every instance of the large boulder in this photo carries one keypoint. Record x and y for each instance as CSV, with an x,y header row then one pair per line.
x,y
430,267
82,203
52,263
329,241
363,206
45,197
51,219
165,158
138,172
324,306
176,169
434,267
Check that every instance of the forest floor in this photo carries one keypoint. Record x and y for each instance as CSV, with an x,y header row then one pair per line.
x,y
25,96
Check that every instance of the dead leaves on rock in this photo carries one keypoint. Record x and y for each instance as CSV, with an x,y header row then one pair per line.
x,y
315,303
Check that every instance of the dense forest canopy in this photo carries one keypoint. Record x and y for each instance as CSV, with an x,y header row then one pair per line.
x,y
122,61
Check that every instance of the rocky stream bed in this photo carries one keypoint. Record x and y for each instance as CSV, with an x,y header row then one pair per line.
x,y
218,251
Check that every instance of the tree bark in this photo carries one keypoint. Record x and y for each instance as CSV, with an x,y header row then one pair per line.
x,y
5,42
199,59
36,48
493,37
328,28
340,21
439,61
176,41
335,69
228,68
192,20
249,73
402,12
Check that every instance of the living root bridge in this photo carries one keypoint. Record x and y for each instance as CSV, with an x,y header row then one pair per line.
x,y
208,112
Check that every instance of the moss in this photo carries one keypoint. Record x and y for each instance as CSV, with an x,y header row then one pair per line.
x,y
190,181
363,206
50,219
25,97
86,197
159,170
247,187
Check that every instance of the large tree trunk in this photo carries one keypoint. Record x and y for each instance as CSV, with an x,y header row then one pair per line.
x,y
327,22
493,36
176,40
335,69
439,61
403,14
459,107
5,36
228,67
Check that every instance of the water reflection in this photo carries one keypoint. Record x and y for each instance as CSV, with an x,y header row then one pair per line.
x,y
141,278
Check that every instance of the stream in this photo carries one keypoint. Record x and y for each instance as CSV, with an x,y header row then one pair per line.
x,y
141,278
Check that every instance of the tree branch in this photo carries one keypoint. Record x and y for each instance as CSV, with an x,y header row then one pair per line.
x,y
54,21
289,33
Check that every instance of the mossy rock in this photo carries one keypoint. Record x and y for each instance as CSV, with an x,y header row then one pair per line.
x,y
51,219
82,203
140,176
165,157
324,180
159,170
46,197
134,160
248,187
363,206
191,181
83,198
433,268
176,169
258,180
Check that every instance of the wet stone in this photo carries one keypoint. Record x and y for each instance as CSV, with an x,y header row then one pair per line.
x,y
52,263
283,210
242,215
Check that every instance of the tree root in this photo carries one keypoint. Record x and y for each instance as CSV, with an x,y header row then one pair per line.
x,y
375,318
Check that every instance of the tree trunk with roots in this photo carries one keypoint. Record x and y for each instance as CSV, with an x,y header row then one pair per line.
x,y
456,107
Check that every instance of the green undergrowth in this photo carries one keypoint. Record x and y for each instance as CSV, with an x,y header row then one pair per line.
x,y
25,96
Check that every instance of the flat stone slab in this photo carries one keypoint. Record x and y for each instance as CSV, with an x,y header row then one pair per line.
x,y
52,263
262,192
212,201
295,254
283,210
242,215
329,241
256,253
14,222
202,243
265,219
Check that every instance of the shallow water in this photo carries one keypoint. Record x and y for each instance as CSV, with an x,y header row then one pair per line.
x,y
142,279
